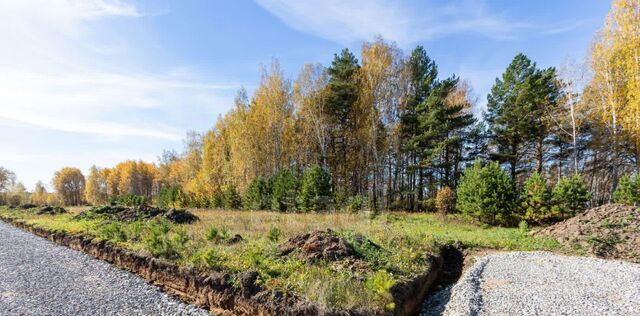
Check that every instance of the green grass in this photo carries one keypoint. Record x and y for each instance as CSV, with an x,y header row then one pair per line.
x,y
401,242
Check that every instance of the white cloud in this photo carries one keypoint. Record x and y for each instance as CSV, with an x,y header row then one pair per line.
x,y
347,21
63,70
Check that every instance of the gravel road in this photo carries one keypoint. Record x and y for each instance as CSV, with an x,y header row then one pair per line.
x,y
541,283
38,277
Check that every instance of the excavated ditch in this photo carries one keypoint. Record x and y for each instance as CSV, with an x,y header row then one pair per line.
x,y
216,292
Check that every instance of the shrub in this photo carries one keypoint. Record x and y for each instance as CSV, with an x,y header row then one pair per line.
x,y
356,203
487,194
274,234
315,190
258,195
170,197
285,190
211,259
160,243
215,234
232,199
129,200
380,283
445,201
217,200
341,197
627,191
536,200
570,196
113,231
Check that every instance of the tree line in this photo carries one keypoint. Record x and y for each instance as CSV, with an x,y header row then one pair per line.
x,y
385,131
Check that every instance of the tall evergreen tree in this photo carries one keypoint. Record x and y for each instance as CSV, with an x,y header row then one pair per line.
x,y
516,111
340,98
423,77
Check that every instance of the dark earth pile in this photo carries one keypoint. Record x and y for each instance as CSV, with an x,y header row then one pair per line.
x,y
51,210
144,212
319,244
609,231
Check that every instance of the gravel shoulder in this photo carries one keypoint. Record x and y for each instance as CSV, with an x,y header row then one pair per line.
x,y
541,283
38,277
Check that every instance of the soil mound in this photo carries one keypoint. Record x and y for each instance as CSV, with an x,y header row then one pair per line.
x,y
319,244
608,231
144,212
51,210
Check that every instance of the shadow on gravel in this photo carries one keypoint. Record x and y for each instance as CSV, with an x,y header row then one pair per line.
x,y
438,297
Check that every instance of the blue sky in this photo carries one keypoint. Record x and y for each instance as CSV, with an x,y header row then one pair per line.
x,y
101,81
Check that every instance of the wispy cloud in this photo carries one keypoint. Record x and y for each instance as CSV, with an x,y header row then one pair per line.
x,y
347,21
562,27
63,71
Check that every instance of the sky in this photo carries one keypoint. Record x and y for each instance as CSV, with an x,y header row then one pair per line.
x,y
86,82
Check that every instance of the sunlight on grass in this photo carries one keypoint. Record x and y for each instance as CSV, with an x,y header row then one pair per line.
x,y
404,240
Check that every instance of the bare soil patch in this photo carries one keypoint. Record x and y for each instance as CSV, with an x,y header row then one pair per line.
x,y
610,231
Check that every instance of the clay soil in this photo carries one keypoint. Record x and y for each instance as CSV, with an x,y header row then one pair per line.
x,y
610,231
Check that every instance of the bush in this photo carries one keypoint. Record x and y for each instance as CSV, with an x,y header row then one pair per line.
x,y
536,200
170,197
217,200
232,199
380,283
315,191
129,200
113,231
356,203
445,201
341,197
258,195
627,191
487,194
216,235
285,190
570,196
274,234
160,243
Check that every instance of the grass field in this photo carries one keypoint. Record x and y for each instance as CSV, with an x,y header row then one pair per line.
x,y
403,240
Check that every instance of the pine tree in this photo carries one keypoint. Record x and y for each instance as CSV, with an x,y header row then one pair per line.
x,y
627,191
536,199
232,199
341,96
285,191
423,77
315,190
258,196
486,194
571,196
516,110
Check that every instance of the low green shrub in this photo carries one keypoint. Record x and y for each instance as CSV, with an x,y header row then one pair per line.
x,y
216,235
274,234
160,243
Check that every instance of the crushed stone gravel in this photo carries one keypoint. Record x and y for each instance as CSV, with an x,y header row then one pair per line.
x,y
541,283
38,277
